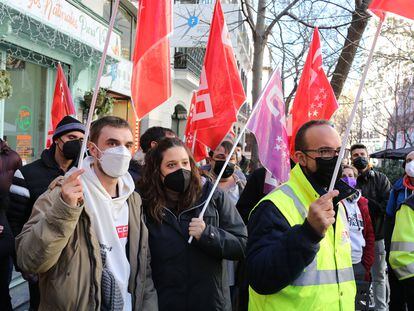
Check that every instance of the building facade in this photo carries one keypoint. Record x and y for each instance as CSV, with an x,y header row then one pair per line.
x,y
36,35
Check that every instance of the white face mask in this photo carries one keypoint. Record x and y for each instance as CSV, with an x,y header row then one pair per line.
x,y
115,161
239,155
409,169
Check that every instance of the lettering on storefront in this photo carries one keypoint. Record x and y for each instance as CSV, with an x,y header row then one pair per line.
x,y
70,20
24,146
24,118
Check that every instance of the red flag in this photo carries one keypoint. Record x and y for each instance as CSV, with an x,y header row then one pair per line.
x,y
404,8
151,74
199,149
62,103
221,92
314,98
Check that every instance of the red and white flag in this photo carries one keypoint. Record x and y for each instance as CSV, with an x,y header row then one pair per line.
x,y
199,149
403,8
151,73
62,104
314,98
221,93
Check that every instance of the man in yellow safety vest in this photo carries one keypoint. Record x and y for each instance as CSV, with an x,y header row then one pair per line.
x,y
299,252
402,250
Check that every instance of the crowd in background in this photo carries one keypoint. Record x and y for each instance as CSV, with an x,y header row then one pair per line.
x,y
113,234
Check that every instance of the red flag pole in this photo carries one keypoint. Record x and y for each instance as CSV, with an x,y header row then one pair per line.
x,y
97,83
352,116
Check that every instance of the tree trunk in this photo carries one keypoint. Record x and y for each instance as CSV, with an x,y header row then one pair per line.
x,y
259,43
359,22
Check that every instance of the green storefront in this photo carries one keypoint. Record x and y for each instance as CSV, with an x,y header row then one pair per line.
x,y
34,36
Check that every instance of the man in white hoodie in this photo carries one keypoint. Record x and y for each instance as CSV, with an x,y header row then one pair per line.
x,y
86,238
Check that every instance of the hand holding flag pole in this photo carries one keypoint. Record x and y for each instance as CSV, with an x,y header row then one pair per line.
x,y
357,98
97,83
231,152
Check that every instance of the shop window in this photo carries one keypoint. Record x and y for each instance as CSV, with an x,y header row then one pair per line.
x,y
24,111
178,120
100,7
124,24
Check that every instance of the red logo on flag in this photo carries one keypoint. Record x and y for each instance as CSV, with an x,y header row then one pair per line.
x,y
122,231
221,92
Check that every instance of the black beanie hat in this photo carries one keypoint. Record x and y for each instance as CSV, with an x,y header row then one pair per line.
x,y
66,125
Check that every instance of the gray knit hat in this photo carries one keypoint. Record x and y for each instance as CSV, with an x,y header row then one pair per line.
x,y
66,125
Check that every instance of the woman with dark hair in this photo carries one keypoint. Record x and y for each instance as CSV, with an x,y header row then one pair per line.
x,y
188,276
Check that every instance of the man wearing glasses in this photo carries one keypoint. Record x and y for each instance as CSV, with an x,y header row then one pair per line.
x,y
299,252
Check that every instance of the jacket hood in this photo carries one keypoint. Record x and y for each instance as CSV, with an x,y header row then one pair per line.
x,y
125,185
398,185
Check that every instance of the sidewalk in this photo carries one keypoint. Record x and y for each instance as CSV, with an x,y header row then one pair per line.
x,y
19,291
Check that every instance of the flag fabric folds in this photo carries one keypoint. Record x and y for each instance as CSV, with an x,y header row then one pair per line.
x,y
268,124
151,73
403,8
221,93
62,103
314,97
199,149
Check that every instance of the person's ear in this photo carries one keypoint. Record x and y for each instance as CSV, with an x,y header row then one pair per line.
x,y
301,158
93,151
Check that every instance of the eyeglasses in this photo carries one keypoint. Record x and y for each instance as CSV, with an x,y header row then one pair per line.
x,y
326,153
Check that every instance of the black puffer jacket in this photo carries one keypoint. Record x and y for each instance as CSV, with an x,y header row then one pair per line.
x,y
193,277
28,184
376,187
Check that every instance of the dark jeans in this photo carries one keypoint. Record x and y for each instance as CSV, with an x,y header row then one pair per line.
x,y
397,297
362,296
34,296
5,276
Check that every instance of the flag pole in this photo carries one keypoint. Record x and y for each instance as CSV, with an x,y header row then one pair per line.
x,y
97,83
231,152
357,98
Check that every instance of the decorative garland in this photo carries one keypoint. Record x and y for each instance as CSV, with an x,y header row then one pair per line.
x,y
6,89
23,25
104,103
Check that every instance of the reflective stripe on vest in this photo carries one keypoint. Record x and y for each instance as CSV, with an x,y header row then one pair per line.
x,y
311,275
402,246
286,189
405,271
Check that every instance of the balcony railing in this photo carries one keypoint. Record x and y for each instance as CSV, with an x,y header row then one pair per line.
x,y
190,59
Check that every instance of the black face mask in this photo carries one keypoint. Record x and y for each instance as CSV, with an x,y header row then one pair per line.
x,y
178,181
360,163
71,149
324,171
228,171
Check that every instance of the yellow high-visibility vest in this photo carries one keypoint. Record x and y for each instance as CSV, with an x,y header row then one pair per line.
x,y
402,243
327,283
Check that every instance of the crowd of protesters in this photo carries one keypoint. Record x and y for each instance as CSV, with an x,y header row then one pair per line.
x,y
113,234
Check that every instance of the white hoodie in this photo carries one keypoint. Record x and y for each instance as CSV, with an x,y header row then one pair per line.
x,y
356,226
110,218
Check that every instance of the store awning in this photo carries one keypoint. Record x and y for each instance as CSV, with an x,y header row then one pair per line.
x,y
394,154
